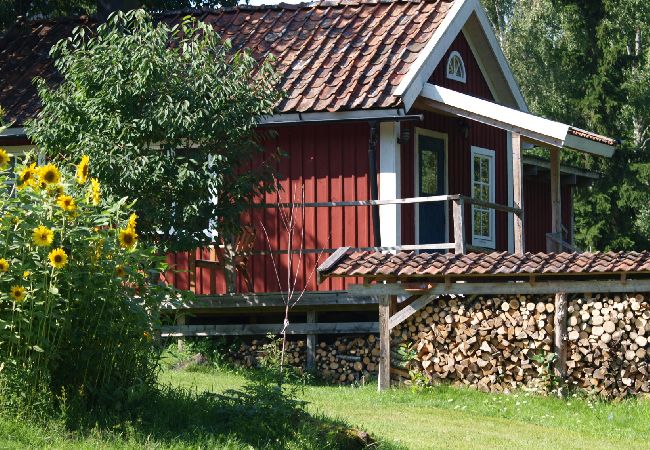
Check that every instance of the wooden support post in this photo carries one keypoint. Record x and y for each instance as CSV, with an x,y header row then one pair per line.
x,y
180,320
384,343
311,343
459,226
518,192
560,334
556,201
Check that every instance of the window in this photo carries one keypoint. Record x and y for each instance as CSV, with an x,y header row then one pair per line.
x,y
456,67
483,189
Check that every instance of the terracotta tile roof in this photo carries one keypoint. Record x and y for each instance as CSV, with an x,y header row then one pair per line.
x,y
333,55
592,136
411,264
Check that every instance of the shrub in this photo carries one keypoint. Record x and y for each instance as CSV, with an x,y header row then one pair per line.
x,y
78,311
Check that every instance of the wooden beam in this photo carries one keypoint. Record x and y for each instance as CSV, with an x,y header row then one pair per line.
x,y
411,309
518,192
509,288
266,328
560,334
556,199
384,343
311,342
460,246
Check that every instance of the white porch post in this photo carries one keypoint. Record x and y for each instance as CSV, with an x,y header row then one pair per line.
x,y
556,199
390,179
518,192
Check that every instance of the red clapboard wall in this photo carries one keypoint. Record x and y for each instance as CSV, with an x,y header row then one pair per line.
x,y
537,211
328,161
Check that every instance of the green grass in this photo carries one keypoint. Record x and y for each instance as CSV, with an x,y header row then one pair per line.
x,y
446,417
440,417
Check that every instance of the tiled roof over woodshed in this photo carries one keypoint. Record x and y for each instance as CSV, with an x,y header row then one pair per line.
x,y
332,55
411,264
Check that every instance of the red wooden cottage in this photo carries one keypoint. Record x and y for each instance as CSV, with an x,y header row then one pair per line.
x,y
385,100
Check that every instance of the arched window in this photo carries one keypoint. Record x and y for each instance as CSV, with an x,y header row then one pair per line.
x,y
456,67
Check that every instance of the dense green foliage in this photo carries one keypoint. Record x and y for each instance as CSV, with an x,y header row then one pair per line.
x,y
177,110
10,10
78,313
587,63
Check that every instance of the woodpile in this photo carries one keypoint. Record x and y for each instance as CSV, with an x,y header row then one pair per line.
x,y
348,359
501,343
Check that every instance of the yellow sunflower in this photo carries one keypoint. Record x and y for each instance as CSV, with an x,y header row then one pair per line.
x,y
128,238
42,236
120,272
95,191
132,221
49,174
4,158
17,293
26,274
82,169
28,177
66,203
4,265
58,258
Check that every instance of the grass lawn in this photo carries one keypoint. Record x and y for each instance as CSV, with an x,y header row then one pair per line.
x,y
441,417
446,417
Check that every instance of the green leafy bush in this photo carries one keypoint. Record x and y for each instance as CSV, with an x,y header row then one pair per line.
x,y
78,309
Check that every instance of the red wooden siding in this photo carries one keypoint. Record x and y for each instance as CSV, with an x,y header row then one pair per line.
x,y
459,147
330,162
537,211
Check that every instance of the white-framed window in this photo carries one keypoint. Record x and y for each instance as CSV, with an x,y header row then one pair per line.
x,y
456,68
483,234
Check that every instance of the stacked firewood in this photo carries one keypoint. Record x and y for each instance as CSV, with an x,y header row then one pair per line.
x,y
348,359
489,343
608,345
505,342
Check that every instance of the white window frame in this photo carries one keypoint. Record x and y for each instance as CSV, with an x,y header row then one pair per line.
x,y
478,240
452,76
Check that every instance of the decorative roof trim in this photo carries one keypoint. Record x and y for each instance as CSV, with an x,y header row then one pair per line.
x,y
453,23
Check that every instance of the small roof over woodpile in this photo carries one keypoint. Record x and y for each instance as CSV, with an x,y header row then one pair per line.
x,y
411,265
332,55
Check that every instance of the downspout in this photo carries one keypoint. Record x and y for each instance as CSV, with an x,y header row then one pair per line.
x,y
374,186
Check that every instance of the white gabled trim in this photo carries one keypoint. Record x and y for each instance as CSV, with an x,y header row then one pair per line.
x,y
359,114
534,128
501,58
390,183
426,62
429,57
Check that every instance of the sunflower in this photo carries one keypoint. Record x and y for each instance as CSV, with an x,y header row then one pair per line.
x,y
132,221
49,174
4,158
127,238
147,336
120,272
58,258
42,236
66,203
4,265
26,274
17,293
82,169
28,177
95,191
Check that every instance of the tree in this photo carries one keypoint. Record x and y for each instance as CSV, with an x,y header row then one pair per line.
x,y
167,115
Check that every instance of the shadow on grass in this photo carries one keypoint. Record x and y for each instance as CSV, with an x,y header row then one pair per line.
x,y
260,415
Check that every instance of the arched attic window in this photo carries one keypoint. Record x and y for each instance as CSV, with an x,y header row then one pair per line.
x,y
456,68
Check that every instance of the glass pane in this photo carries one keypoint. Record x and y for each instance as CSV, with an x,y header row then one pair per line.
x,y
485,192
477,168
485,170
428,172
